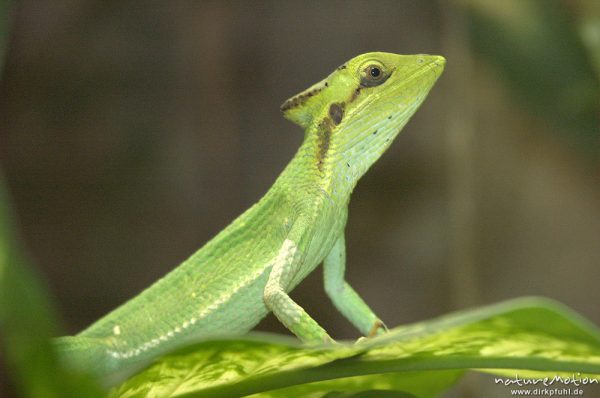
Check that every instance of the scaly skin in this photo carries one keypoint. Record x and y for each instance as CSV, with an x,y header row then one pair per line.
x,y
350,118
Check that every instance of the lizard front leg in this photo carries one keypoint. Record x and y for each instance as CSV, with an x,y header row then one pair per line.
x,y
285,309
346,300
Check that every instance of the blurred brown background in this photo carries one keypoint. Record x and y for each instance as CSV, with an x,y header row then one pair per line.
x,y
132,132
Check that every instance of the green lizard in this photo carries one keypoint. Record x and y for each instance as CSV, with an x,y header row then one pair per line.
x,y
350,118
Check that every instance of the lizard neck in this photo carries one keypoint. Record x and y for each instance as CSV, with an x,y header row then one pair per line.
x,y
335,156
320,167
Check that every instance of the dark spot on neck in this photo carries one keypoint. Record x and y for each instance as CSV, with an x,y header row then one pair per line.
x,y
336,112
323,141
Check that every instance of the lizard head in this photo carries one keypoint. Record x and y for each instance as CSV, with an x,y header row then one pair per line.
x,y
361,107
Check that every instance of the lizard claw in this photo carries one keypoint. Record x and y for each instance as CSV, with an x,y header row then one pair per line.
x,y
361,339
378,328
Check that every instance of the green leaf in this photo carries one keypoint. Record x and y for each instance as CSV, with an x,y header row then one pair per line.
x,y
422,359
406,384
370,394
27,321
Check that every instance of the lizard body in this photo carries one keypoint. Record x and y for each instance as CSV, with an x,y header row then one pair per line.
x,y
248,269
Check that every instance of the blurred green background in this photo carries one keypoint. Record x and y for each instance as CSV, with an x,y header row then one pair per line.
x,y
132,132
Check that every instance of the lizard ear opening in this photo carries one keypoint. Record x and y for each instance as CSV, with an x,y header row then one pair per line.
x,y
301,108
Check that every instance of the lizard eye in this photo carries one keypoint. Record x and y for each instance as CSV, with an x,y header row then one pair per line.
x,y
375,72
373,75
